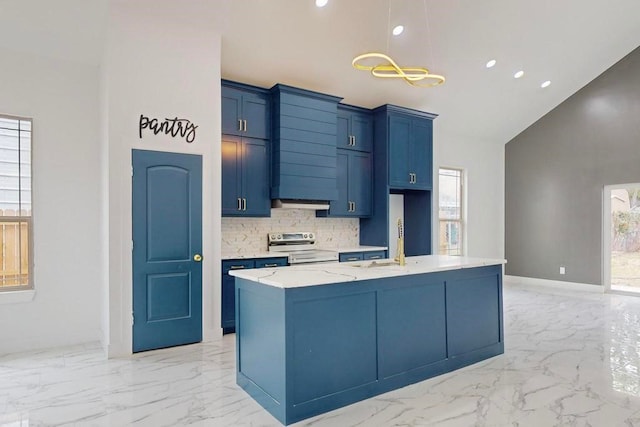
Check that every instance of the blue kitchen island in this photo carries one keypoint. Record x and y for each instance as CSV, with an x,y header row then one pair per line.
x,y
314,338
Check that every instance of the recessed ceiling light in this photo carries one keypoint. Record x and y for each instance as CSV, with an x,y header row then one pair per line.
x,y
545,84
518,74
321,3
491,63
397,30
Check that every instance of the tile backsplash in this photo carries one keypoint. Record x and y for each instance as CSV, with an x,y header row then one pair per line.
x,y
249,235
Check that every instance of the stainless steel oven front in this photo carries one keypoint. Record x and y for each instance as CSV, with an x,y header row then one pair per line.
x,y
300,247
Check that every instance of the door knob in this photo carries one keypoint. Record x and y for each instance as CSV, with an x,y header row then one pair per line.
x,y
197,257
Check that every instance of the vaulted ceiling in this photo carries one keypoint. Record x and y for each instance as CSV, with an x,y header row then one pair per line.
x,y
568,42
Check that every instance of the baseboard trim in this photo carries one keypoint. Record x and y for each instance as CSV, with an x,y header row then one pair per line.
x,y
554,284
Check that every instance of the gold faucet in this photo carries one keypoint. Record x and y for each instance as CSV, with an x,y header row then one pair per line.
x,y
400,254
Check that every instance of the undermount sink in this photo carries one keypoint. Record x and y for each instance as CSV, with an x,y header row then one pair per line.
x,y
383,263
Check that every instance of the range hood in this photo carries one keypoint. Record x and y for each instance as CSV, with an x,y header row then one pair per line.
x,y
316,205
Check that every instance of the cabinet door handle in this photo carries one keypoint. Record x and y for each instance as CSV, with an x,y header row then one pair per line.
x,y
244,204
236,267
354,140
245,125
240,125
415,178
239,204
354,206
271,265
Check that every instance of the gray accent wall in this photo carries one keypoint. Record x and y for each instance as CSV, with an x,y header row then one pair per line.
x,y
555,172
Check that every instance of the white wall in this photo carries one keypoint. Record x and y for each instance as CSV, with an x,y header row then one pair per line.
x,y
483,164
163,60
62,99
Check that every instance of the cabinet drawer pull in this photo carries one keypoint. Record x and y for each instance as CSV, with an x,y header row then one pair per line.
x,y
271,265
375,257
236,267
353,258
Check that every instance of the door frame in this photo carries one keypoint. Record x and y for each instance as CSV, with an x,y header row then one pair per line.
x,y
606,237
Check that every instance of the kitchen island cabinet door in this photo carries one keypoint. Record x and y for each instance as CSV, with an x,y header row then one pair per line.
x,y
411,328
474,316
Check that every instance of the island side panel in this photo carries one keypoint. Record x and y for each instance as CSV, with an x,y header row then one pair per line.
x,y
474,315
260,345
331,347
412,337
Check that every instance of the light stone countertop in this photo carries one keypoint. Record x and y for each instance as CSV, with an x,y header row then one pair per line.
x,y
328,273
267,254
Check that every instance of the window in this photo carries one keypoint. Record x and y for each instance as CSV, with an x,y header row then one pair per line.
x,y
451,211
15,204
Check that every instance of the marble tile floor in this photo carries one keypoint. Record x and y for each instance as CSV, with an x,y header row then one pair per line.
x,y
571,359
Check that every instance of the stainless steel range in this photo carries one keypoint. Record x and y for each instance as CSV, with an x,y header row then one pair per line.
x,y
301,247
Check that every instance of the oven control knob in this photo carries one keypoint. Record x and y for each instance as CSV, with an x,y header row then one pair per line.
x,y
305,235
279,236
311,235
273,237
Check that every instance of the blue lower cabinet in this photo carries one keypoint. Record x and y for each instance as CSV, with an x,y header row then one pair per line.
x,y
351,256
373,255
360,256
228,301
308,350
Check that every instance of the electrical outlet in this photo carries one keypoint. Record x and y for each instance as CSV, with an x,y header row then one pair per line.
x,y
562,270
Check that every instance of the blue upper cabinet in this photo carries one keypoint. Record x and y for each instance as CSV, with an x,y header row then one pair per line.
x,y
246,110
246,127
403,165
245,177
354,174
305,125
355,128
410,145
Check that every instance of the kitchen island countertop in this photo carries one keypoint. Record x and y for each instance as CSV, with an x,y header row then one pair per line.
x,y
334,272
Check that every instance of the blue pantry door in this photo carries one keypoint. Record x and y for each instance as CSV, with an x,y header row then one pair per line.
x,y
167,247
